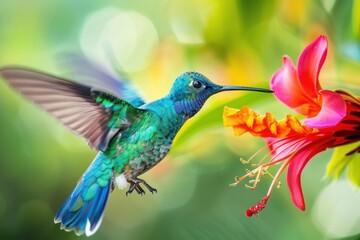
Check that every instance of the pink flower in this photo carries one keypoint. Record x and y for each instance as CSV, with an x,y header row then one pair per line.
x,y
300,89
331,119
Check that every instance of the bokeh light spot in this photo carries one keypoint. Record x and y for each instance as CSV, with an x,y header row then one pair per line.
x,y
336,211
188,20
126,37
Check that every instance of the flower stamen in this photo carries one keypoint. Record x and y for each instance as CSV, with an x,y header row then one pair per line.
x,y
281,169
254,210
255,181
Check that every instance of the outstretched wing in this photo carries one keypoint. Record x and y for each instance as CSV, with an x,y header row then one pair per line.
x,y
91,73
95,115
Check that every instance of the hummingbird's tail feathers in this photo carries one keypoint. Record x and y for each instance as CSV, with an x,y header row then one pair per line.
x,y
86,219
83,210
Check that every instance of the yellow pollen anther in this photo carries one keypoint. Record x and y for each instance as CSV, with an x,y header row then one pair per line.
x,y
243,161
249,187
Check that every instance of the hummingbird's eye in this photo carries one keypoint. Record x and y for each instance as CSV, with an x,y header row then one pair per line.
x,y
196,84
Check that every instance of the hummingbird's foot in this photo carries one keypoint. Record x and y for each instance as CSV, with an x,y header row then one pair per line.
x,y
131,188
138,189
151,189
135,185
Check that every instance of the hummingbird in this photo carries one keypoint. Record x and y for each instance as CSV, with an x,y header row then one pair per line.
x,y
130,135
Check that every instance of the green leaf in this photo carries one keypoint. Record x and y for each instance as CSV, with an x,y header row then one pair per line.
x,y
356,19
339,161
354,170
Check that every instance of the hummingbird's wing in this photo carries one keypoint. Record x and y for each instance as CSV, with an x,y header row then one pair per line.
x,y
91,73
94,114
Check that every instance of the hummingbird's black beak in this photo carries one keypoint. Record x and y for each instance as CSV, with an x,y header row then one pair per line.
x,y
241,88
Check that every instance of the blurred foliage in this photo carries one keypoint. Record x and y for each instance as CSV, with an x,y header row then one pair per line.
x,y
342,159
232,42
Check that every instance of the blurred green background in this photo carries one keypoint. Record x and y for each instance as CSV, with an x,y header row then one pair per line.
x,y
231,42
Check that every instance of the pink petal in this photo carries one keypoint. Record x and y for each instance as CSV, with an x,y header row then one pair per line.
x,y
333,110
287,88
285,147
309,65
296,167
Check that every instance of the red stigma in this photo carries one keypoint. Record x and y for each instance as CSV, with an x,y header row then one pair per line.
x,y
249,213
257,208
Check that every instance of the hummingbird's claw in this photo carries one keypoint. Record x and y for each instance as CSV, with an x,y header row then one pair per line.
x,y
135,185
139,190
128,192
151,189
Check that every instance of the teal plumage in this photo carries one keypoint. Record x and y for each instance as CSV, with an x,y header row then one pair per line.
x,y
83,210
131,136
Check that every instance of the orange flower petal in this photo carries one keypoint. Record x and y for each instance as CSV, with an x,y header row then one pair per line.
x,y
246,120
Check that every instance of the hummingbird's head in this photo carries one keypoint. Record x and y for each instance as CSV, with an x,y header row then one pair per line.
x,y
191,89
